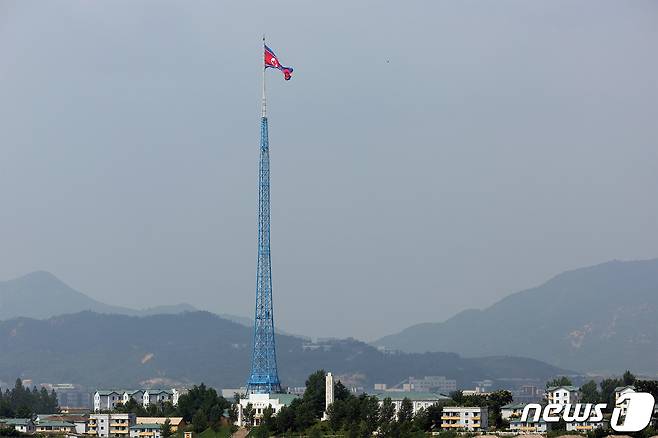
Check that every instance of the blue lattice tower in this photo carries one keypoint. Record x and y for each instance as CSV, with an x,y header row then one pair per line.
x,y
264,376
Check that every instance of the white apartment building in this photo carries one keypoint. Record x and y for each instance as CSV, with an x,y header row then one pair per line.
x,y
136,394
110,425
464,418
619,391
260,402
418,399
107,400
562,394
571,395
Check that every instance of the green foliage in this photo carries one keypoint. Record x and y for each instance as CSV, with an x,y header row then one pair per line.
x,y
165,429
200,397
628,378
8,431
589,393
559,381
200,421
22,401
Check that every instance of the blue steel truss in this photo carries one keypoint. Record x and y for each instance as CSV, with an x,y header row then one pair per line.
x,y
264,376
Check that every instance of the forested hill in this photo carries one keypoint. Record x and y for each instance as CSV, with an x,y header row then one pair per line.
x,y
603,318
100,350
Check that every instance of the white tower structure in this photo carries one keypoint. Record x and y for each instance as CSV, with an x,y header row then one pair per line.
x,y
329,394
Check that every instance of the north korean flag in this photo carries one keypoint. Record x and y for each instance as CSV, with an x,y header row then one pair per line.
x,y
272,61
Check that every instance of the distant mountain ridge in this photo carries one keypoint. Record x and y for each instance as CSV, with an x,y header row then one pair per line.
x,y
98,350
41,295
600,318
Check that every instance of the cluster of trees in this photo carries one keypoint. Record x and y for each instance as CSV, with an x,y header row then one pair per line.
x,y
604,392
21,401
201,407
493,401
362,415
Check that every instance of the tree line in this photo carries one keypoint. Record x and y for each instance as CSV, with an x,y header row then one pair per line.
x,y
23,402
201,407
362,415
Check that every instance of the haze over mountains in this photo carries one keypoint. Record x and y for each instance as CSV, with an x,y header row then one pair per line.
x,y
600,318
191,347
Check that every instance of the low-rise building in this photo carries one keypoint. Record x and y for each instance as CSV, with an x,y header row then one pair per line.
x,y
464,418
529,426
177,423
52,426
79,421
260,402
23,425
512,411
110,425
146,430
583,426
418,399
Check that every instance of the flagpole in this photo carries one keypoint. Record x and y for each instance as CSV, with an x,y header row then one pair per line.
x,y
264,104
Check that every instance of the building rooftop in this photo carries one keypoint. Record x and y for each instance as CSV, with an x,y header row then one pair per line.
x,y
514,405
49,423
150,426
174,421
284,399
411,395
567,387
621,388
16,421
105,392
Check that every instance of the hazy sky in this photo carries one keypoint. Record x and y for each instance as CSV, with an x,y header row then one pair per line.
x,y
427,157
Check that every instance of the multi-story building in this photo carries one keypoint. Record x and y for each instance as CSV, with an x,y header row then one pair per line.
x,y
134,394
107,400
527,394
69,395
438,384
562,394
260,402
619,391
110,425
157,396
464,418
418,399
